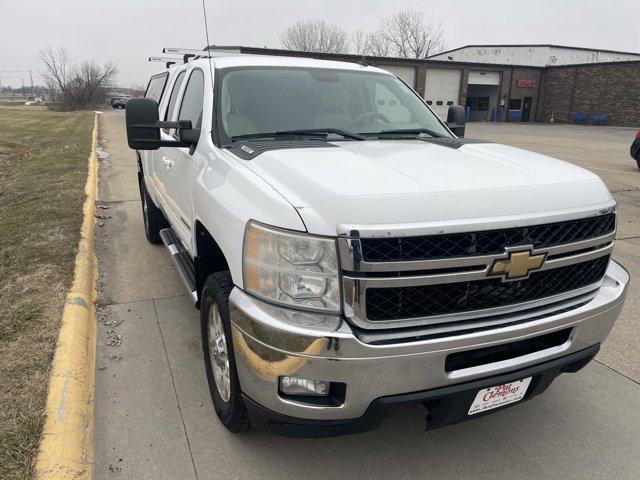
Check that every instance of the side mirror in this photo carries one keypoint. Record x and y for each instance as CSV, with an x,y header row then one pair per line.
x,y
139,113
190,136
143,127
456,118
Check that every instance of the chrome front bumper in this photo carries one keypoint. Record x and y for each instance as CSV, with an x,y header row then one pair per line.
x,y
270,342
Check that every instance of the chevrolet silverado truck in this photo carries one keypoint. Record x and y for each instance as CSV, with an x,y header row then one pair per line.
x,y
349,251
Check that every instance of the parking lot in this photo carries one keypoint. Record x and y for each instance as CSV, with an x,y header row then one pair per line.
x,y
154,417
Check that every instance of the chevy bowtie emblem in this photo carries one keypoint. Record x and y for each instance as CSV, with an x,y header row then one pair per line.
x,y
518,264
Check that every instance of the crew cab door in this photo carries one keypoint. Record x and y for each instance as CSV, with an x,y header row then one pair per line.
x,y
163,158
181,165
155,91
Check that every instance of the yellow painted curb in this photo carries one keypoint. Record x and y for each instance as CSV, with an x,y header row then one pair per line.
x,y
66,443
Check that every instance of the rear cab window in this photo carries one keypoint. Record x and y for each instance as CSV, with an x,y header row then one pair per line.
x,y
156,86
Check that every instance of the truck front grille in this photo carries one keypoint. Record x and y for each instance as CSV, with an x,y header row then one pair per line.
x,y
396,281
441,299
484,242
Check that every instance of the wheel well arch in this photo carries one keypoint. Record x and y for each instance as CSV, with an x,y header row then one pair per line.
x,y
209,257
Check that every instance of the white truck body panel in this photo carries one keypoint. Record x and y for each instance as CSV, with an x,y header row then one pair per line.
x,y
395,182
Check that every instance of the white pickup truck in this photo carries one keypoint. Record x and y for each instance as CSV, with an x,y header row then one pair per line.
x,y
349,251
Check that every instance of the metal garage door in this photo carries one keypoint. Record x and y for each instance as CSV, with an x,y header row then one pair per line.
x,y
442,89
407,74
480,77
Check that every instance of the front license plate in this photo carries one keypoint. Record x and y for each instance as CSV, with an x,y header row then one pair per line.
x,y
494,397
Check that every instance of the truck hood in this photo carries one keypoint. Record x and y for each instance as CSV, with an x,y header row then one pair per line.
x,y
377,183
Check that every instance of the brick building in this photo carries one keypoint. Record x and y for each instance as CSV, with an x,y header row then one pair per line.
x,y
611,88
606,92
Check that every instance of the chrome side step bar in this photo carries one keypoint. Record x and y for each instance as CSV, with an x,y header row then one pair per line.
x,y
182,261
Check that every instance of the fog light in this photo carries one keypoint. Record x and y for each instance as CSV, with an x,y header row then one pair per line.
x,y
301,386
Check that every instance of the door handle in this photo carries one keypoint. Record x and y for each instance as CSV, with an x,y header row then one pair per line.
x,y
168,162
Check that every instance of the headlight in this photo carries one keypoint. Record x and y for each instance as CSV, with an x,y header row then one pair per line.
x,y
291,268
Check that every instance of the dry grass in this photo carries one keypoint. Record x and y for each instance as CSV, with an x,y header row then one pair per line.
x,y
43,160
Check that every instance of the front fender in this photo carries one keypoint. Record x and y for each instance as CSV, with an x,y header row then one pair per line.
x,y
226,196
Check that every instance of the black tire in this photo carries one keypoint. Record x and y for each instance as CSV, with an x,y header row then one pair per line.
x,y
152,216
215,294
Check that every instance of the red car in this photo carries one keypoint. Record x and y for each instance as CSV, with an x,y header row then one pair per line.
x,y
635,148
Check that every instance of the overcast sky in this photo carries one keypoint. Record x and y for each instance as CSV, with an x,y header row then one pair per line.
x,y
129,31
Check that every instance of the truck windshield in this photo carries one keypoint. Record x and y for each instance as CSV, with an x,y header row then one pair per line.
x,y
255,100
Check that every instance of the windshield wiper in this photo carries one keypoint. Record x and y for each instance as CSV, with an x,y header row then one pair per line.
x,y
408,131
320,133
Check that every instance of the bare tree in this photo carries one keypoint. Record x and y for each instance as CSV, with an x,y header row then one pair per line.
x,y
75,86
378,45
315,36
410,36
359,42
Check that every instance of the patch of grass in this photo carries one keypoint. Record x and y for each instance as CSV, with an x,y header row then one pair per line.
x,y
43,168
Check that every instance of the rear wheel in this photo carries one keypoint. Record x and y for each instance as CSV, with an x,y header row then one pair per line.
x,y
219,359
152,216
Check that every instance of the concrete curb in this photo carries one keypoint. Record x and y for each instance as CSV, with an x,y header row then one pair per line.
x,y
66,442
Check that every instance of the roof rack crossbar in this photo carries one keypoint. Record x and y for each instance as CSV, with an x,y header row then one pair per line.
x,y
190,52
164,59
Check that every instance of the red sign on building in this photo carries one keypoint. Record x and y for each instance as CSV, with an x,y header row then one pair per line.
x,y
526,84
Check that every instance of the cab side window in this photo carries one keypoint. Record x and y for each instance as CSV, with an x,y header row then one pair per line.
x,y
173,99
192,101
156,86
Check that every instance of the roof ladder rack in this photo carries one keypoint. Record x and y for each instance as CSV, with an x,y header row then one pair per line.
x,y
168,61
186,52
210,51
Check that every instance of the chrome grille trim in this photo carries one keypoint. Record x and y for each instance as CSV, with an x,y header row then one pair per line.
x,y
350,251
359,275
469,225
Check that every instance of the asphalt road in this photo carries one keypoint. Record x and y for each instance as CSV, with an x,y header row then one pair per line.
x,y
154,417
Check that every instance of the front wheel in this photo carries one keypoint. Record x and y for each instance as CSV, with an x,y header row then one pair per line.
x,y
219,359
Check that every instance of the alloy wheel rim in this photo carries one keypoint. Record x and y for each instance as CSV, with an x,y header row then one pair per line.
x,y
218,353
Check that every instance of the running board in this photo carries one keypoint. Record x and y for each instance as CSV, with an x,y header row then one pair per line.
x,y
182,261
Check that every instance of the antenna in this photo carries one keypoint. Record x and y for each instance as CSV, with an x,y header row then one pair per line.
x,y
206,31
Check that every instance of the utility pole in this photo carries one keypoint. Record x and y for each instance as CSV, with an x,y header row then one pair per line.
x,y
23,94
33,92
